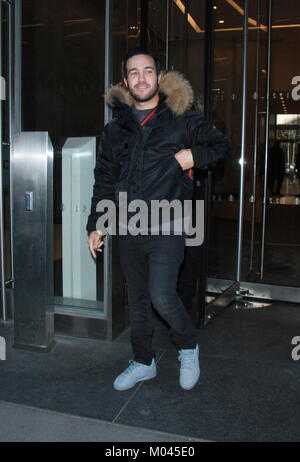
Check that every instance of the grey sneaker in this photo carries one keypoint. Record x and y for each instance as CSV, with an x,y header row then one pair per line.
x,y
189,369
135,372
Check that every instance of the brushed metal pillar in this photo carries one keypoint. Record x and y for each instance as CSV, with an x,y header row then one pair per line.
x,y
108,255
167,33
255,137
33,241
108,55
269,38
243,145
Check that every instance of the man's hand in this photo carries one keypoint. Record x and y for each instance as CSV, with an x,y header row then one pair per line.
x,y
185,159
95,242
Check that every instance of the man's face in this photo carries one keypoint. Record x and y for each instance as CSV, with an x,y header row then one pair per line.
x,y
142,79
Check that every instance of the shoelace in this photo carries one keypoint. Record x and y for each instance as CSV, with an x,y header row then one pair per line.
x,y
187,359
132,365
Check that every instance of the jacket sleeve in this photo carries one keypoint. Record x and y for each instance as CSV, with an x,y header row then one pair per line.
x,y
105,174
208,144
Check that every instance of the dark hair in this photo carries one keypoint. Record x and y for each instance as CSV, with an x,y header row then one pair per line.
x,y
136,52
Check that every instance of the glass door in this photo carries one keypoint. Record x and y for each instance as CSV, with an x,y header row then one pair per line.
x,y
274,260
281,253
255,200
238,49
256,139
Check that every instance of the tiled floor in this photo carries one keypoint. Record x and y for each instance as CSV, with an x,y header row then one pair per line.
x,y
248,390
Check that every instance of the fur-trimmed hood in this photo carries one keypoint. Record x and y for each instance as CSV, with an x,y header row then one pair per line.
x,y
178,91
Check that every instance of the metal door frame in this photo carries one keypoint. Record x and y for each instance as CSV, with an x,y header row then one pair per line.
x,y
13,92
9,94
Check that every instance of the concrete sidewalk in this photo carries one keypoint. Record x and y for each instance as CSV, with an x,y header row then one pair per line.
x,y
20,423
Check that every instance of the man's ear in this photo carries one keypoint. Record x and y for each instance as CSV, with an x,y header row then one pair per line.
x,y
125,82
159,78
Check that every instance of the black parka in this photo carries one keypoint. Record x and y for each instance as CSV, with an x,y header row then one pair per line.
x,y
140,160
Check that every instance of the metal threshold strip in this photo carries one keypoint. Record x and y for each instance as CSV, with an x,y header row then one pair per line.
x,y
246,295
271,292
221,301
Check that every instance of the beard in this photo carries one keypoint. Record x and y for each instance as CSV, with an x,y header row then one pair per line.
x,y
147,97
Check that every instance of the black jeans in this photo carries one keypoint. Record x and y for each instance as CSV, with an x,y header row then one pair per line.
x,y
188,276
151,266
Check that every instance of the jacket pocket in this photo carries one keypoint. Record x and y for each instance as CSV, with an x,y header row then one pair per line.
x,y
183,174
175,166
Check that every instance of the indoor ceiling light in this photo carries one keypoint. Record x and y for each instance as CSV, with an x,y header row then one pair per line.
x,y
286,26
255,26
241,11
189,17
254,23
221,58
77,35
71,21
33,25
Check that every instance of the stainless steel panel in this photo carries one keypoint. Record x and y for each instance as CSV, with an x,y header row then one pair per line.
x,y
218,285
33,240
81,326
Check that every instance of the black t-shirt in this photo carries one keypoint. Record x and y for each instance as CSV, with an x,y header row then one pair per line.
x,y
141,114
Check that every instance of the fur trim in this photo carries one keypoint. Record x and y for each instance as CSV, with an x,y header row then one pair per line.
x,y
179,93
178,90
120,93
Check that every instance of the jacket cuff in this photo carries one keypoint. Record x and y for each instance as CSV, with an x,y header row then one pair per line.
x,y
199,157
205,155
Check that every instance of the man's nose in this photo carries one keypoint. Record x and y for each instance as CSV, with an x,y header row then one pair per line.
x,y
141,79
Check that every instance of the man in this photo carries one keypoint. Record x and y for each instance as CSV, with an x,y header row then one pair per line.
x,y
148,151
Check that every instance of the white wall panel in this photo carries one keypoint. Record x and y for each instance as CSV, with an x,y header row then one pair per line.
x,y
79,269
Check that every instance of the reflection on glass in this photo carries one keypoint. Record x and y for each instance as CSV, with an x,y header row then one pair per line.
x,y
227,112
79,269
63,86
281,260
281,232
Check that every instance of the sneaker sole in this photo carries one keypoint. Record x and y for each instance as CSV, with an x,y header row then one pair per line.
x,y
139,380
